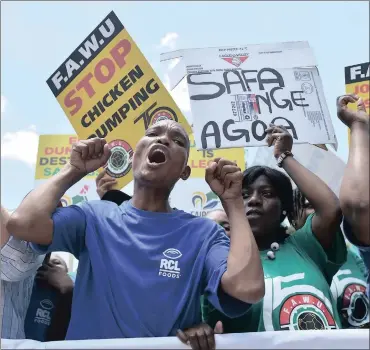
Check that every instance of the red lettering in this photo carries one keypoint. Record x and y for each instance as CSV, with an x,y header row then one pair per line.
x,y
85,84
202,163
120,51
72,140
193,165
367,103
48,150
70,101
109,65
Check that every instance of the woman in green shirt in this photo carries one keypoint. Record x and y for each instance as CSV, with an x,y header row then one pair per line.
x,y
349,284
298,268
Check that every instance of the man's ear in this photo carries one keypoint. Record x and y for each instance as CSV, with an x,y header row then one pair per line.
x,y
186,173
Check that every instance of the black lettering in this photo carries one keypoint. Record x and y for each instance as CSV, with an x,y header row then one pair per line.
x,y
215,133
62,160
123,110
91,136
113,122
44,161
255,124
237,134
93,112
229,83
132,103
135,74
105,100
287,102
84,122
104,132
152,86
277,80
290,126
101,107
251,80
125,83
53,161
295,99
266,100
115,93
221,88
140,97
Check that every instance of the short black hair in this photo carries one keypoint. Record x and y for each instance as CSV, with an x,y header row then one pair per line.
x,y
279,181
298,203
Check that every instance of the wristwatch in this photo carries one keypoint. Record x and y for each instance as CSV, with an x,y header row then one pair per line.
x,y
282,157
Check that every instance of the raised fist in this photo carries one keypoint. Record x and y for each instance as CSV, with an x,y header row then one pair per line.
x,y
89,155
348,116
280,138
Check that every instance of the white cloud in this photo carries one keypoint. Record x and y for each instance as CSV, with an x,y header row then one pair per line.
x,y
21,145
169,40
3,104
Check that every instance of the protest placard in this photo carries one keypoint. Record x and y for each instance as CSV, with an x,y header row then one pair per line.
x,y
53,154
108,89
200,159
357,80
236,92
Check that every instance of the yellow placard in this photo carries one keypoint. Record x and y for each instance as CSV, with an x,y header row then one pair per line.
x,y
53,153
199,160
357,79
108,89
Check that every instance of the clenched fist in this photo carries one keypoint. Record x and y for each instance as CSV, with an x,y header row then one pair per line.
x,y
280,138
89,155
225,179
348,116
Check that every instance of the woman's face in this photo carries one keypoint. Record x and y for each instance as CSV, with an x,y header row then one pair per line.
x,y
262,207
306,211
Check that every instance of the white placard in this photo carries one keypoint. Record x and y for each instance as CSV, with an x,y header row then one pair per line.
x,y
236,92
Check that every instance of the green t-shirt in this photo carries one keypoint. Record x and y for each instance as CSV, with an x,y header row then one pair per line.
x,y
297,288
349,289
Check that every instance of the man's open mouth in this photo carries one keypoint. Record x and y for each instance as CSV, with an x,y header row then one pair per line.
x,y
157,156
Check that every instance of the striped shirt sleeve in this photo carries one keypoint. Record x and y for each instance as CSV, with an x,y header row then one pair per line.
x,y
18,260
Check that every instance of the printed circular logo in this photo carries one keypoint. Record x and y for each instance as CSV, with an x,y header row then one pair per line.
x,y
305,312
119,163
355,305
307,88
46,304
163,113
66,201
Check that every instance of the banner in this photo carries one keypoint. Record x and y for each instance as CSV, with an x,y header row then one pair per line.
x,y
236,92
357,80
108,89
337,339
53,154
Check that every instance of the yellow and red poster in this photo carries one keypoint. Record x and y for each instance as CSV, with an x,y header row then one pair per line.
x,y
108,89
53,154
357,80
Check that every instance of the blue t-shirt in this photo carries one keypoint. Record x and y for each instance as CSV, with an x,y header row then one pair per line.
x,y
364,251
140,273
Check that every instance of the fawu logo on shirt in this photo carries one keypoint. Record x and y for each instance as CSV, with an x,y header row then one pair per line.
x,y
169,267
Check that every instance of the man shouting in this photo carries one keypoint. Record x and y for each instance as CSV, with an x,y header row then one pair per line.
x,y
142,265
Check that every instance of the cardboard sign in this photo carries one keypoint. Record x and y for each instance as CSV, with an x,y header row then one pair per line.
x,y
199,160
53,154
108,89
357,80
236,92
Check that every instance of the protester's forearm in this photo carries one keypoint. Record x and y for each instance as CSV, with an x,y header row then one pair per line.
x,y
4,218
32,219
321,197
354,193
244,277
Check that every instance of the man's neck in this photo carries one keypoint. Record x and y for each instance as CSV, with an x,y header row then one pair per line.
x,y
151,199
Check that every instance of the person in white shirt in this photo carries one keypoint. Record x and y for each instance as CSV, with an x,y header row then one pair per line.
x,y
19,264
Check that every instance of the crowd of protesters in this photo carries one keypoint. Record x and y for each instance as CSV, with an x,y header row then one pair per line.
x,y
149,270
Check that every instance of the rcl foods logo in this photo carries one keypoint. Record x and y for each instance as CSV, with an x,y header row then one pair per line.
x,y
169,267
43,312
203,203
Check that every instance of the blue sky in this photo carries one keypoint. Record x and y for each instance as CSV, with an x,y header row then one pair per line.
x,y
37,36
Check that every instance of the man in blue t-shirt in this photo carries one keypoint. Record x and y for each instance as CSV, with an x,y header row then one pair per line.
x,y
142,265
354,192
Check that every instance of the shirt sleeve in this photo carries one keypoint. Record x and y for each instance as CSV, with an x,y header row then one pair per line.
x,y
328,261
215,267
69,231
18,260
